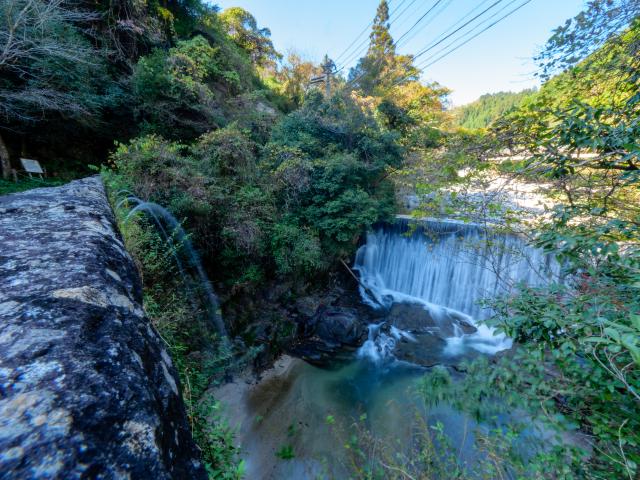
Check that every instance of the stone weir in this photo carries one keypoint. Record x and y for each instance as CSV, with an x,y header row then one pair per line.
x,y
87,388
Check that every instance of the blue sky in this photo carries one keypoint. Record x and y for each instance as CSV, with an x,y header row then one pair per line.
x,y
499,59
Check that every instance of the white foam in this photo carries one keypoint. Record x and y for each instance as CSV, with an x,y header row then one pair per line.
x,y
449,272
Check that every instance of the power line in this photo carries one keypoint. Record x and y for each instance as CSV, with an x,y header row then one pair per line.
x,y
472,30
395,44
438,2
392,12
424,65
401,13
439,40
435,58
477,34
359,50
365,30
477,7
434,45
412,15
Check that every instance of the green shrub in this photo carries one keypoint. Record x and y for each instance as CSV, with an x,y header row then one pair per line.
x,y
227,152
295,249
174,89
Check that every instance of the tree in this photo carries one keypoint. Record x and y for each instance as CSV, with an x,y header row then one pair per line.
x,y
173,89
381,69
47,67
189,89
381,42
412,107
582,35
243,28
293,77
580,339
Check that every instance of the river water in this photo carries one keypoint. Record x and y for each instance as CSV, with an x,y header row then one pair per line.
x,y
295,421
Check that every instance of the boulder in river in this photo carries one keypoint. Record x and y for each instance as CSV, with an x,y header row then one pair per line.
x,y
331,335
417,318
338,325
424,349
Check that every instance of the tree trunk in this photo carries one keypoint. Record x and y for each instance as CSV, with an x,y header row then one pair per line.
x,y
5,163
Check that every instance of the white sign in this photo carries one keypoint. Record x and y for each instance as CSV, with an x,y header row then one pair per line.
x,y
31,166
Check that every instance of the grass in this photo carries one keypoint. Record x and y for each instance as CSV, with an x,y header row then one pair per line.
x,y
25,183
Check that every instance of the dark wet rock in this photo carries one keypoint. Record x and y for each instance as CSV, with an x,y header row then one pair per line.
x,y
414,318
338,325
426,350
331,335
308,306
87,388
411,317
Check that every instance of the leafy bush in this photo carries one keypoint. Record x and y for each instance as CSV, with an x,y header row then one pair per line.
x,y
340,156
295,249
173,89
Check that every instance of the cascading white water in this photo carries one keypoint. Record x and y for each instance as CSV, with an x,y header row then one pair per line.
x,y
378,345
448,267
160,214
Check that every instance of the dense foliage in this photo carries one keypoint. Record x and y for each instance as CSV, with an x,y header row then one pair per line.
x,y
488,108
290,206
578,361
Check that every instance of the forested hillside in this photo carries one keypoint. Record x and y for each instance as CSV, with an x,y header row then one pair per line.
x,y
78,75
233,168
489,107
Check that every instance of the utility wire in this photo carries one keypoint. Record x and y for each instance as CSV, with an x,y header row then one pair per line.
x,y
438,41
476,35
358,51
395,43
438,2
414,13
471,31
434,45
365,30
401,13
430,60
445,36
469,13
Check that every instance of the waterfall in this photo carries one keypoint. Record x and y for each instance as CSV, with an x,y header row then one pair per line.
x,y
448,267
378,345
162,217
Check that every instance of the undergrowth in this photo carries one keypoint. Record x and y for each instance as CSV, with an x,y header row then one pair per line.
x,y
173,304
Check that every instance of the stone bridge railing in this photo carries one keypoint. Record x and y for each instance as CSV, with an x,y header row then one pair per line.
x,y
87,388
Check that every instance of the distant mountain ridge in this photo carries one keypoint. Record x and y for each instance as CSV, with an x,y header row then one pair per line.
x,y
489,107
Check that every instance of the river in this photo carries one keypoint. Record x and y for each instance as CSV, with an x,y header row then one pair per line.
x,y
296,420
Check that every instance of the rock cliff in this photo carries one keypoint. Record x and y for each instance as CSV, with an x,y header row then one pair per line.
x,y
87,387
